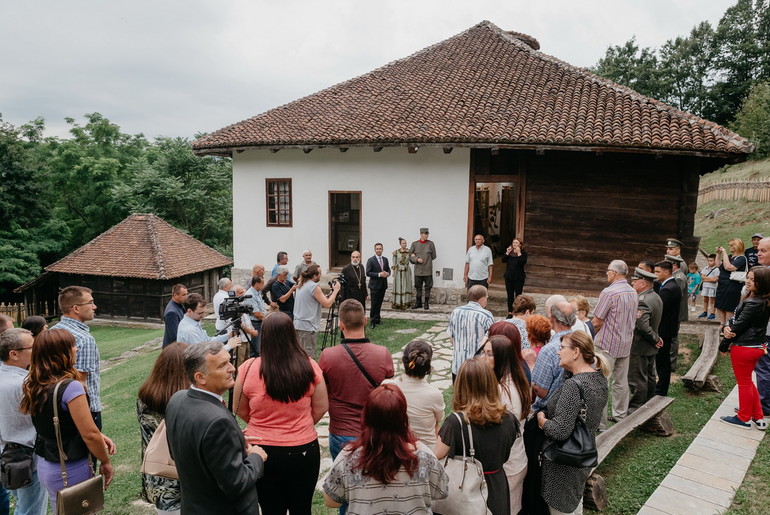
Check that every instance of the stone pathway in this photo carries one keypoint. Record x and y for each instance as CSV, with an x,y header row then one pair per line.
x,y
705,478
441,377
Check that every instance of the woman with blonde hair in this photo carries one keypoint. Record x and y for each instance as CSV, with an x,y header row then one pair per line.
x,y
728,290
585,384
494,430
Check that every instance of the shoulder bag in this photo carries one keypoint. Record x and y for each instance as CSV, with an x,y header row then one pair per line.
x,y
83,498
740,275
16,466
579,449
467,487
372,382
157,459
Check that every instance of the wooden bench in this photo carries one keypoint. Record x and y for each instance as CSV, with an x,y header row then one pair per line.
x,y
699,376
651,417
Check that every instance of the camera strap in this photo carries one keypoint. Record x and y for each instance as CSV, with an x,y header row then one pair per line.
x,y
360,366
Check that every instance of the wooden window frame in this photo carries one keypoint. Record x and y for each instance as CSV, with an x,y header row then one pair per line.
x,y
277,210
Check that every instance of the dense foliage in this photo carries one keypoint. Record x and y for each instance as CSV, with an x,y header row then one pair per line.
x,y
709,72
57,194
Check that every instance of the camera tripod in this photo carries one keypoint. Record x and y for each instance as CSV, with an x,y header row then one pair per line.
x,y
332,330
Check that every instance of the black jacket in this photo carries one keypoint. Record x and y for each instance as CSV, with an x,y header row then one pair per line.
x,y
216,474
373,273
749,322
671,296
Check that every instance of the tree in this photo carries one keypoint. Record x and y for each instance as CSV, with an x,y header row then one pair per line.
x,y
192,193
631,66
81,173
28,232
753,119
686,69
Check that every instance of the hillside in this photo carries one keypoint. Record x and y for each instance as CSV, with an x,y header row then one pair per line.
x,y
718,221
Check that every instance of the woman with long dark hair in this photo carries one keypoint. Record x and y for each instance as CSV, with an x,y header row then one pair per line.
x,y
281,395
166,378
515,258
53,362
424,402
494,430
515,393
386,470
35,324
745,337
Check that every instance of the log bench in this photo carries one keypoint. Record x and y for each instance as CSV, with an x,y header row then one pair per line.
x,y
699,377
651,417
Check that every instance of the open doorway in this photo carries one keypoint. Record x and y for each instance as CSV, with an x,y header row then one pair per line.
x,y
344,226
496,216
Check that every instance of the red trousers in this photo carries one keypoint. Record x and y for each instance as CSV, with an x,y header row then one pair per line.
x,y
744,359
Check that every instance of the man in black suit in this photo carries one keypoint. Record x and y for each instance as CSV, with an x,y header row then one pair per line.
x,y
217,470
668,329
378,271
174,313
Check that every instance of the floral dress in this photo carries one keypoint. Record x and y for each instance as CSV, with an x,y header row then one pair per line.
x,y
165,494
402,279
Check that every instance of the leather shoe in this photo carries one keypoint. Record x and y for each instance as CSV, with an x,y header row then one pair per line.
x,y
372,325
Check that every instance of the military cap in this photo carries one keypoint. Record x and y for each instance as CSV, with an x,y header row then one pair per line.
x,y
758,235
674,259
640,273
424,230
672,242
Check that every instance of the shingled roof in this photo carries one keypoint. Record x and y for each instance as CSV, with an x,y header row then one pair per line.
x,y
142,246
483,87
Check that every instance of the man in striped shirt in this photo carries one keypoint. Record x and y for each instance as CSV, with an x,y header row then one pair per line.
x,y
468,325
614,321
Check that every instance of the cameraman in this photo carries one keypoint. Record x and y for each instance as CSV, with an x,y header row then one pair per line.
x,y
258,311
307,307
190,330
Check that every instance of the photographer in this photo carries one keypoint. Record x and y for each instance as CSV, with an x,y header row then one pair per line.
x,y
190,330
307,307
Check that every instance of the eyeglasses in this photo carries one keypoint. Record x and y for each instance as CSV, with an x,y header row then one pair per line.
x,y
23,348
86,303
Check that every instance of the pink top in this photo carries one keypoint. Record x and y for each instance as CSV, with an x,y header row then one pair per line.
x,y
277,423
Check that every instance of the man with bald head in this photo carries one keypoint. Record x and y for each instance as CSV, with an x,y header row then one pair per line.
x,y
547,374
6,322
354,282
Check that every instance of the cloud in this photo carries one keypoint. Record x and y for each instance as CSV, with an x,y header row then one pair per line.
x,y
177,67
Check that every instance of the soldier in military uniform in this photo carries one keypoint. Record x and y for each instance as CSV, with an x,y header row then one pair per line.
x,y
646,342
422,253
680,276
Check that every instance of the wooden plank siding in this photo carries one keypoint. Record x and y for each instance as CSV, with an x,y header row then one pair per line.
x,y
584,209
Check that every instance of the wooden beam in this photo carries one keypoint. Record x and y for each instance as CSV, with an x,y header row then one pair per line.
x,y
698,375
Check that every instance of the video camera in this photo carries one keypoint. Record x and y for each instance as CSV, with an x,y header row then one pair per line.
x,y
232,307
339,279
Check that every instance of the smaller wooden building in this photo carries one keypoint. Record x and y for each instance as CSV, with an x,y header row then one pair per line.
x,y
131,269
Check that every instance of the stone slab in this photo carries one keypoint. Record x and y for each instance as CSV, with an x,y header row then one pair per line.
x,y
733,450
649,510
705,478
716,468
714,433
698,449
695,489
737,431
676,503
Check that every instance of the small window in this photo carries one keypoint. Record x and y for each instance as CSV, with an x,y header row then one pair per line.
x,y
278,202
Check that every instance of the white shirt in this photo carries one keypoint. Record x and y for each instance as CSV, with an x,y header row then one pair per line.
x,y
479,261
219,296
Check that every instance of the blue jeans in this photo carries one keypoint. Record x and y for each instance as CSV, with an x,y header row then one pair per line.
x,y
336,443
5,501
31,500
762,369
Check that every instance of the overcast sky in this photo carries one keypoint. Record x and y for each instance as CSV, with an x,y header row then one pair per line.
x,y
175,68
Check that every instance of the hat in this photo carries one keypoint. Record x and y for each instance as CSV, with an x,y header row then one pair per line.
x,y
758,235
640,273
672,243
674,259
424,230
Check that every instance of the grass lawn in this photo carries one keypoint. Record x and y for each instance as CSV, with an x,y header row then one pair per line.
x,y
114,341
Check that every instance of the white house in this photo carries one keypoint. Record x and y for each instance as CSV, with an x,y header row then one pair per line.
x,y
480,133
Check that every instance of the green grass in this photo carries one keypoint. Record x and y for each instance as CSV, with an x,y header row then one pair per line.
x,y
740,172
114,341
639,463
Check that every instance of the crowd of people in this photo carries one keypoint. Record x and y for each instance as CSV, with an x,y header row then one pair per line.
x,y
520,384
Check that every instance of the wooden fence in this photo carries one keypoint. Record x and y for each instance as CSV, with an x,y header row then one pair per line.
x,y
757,190
15,311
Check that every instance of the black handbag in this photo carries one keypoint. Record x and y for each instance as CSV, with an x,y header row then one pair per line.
x,y
579,449
16,466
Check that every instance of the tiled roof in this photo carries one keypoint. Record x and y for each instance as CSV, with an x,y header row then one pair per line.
x,y
141,246
482,87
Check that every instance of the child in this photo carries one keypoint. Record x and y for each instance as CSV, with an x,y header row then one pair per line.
x,y
693,284
710,276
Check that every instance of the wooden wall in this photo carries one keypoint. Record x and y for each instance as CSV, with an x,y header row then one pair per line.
x,y
584,209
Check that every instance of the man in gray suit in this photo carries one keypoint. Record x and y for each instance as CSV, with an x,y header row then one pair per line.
x,y
218,471
641,368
